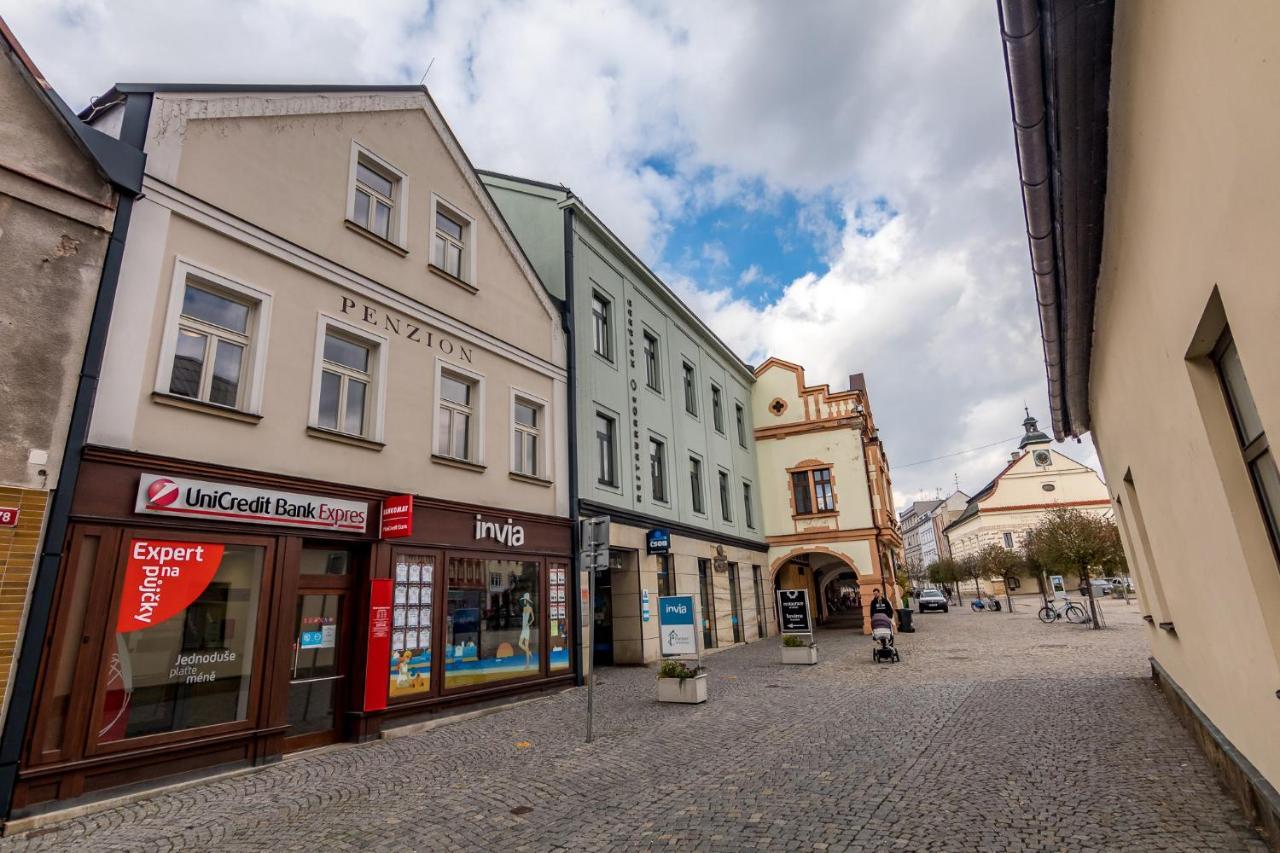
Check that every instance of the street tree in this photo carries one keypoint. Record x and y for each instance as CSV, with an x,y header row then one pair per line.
x,y
945,572
970,568
1074,542
996,561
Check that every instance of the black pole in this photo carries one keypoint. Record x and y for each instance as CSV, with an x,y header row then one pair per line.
x,y
571,362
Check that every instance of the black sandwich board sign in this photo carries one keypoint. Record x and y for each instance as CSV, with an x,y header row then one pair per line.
x,y
793,611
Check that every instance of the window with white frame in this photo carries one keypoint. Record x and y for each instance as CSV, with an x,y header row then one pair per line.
x,y
606,450
652,363
658,469
1008,539
212,345
377,196
690,389
602,326
455,416
451,249
726,505
346,379
740,416
748,516
695,485
526,437
717,409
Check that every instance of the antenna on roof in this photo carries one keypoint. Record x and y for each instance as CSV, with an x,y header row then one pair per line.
x,y
956,478
428,71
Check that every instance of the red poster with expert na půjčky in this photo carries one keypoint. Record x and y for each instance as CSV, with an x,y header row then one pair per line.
x,y
162,578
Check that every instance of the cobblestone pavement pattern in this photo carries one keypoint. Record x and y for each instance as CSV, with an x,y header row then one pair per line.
x,y
994,733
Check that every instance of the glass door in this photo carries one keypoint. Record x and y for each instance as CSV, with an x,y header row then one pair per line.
x,y
319,658
755,578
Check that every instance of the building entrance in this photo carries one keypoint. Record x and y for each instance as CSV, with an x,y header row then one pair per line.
x,y
320,657
602,614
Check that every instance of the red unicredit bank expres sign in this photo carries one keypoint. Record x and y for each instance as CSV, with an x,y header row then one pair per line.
x,y
162,578
159,494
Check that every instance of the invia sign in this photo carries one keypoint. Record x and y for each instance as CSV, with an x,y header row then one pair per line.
x,y
659,541
175,496
676,625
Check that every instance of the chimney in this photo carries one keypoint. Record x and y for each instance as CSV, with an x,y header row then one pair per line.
x,y
1015,456
858,382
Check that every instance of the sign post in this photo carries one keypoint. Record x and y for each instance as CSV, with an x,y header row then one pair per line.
x,y
595,557
793,611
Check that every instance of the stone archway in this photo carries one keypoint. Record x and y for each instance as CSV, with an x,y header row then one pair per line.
x,y
817,568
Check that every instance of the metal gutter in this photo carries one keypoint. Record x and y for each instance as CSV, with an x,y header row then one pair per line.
x,y
1057,58
44,584
575,546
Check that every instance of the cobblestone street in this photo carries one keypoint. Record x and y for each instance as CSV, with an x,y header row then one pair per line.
x,y
994,733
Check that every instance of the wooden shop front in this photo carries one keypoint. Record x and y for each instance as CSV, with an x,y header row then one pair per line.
x,y
208,618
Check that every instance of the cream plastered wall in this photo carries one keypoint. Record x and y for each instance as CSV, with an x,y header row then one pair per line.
x,y
402,307
1192,206
1019,501
636,641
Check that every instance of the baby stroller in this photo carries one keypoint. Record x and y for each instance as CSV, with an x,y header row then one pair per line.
x,y
882,637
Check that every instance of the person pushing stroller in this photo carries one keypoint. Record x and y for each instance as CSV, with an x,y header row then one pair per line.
x,y
882,629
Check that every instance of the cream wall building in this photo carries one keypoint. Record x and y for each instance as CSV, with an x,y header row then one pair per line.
x,y
1159,309
1036,480
828,512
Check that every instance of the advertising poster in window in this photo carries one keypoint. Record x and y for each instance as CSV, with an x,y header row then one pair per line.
x,y
410,673
492,632
558,652
182,655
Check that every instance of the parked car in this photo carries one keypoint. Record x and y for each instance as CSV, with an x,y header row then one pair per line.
x,y
933,599
1121,585
1101,587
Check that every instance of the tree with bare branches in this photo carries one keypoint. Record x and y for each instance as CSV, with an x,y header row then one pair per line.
x,y
996,561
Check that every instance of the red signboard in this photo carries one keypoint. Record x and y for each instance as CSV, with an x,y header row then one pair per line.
x,y
162,578
8,516
397,517
378,661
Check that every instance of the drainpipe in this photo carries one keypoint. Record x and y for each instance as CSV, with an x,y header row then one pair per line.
x,y
40,606
567,321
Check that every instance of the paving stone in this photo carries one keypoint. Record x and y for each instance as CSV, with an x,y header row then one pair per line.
x,y
994,733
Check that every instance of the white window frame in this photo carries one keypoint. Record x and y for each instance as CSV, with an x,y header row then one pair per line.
x,y
647,334
615,461
690,390
259,328
377,374
453,211
477,410
702,486
607,355
748,505
398,233
544,408
740,421
665,469
717,409
726,497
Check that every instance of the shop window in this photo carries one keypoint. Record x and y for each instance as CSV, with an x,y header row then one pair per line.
x,y
695,485
666,575
378,196
452,241
526,438
811,491
491,635
347,393
411,625
212,349
652,364
182,656
706,592
558,645
457,405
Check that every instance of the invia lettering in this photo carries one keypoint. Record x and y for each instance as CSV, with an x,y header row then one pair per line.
x,y
510,534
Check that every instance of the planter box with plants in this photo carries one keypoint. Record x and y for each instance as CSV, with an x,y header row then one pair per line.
x,y
678,682
798,649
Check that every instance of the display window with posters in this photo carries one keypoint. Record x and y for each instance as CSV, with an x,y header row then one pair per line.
x,y
493,623
413,575
183,638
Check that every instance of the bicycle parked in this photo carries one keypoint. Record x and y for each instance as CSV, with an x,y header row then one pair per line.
x,y
988,603
1069,610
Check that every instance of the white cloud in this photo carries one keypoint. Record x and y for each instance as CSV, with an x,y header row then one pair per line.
x,y
653,110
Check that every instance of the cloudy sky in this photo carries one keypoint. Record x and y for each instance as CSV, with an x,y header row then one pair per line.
x,y
832,183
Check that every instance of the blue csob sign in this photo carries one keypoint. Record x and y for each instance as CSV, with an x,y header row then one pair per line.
x,y
658,541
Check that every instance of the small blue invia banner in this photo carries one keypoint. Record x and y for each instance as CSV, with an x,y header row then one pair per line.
x,y
676,633
658,541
